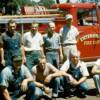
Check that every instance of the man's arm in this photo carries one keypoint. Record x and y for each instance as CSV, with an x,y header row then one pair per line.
x,y
29,78
82,79
38,84
51,76
2,50
23,53
2,56
95,70
61,53
5,93
42,51
75,82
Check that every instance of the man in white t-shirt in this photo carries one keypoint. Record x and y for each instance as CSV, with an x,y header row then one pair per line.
x,y
76,73
96,72
33,42
69,34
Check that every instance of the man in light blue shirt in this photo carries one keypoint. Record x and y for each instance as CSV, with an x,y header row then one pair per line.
x,y
16,81
52,46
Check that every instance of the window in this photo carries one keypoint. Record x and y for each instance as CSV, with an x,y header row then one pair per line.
x,y
87,17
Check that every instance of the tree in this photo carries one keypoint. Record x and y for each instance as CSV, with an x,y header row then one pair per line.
x,y
46,3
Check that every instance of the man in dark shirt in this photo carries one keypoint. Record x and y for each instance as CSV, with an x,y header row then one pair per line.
x,y
10,43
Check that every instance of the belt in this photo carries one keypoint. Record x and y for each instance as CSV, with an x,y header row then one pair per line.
x,y
29,52
51,50
68,44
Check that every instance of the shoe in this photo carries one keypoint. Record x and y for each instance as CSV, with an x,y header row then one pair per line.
x,y
82,95
54,95
61,89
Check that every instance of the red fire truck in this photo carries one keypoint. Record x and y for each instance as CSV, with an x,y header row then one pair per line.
x,y
86,19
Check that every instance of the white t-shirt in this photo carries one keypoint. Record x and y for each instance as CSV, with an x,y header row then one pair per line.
x,y
69,35
34,42
80,65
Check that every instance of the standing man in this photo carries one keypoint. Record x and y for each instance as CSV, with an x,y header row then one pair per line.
x,y
45,76
76,74
52,46
96,72
32,42
16,80
69,35
10,43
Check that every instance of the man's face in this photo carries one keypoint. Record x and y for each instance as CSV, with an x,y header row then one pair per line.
x,y
11,27
34,28
74,59
17,65
42,63
52,27
69,22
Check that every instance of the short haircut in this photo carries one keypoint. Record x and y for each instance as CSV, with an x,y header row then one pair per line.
x,y
36,24
51,24
11,21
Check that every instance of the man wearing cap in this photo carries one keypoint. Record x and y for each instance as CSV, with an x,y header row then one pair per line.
x,y
76,74
69,34
52,46
16,81
32,42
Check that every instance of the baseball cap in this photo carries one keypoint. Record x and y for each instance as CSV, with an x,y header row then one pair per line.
x,y
68,16
17,58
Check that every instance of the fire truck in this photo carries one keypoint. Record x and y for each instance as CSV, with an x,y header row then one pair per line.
x,y
86,17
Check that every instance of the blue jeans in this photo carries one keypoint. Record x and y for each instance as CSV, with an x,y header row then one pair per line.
x,y
30,93
53,58
97,82
64,82
32,58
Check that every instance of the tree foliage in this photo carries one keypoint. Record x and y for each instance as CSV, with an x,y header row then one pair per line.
x,y
46,3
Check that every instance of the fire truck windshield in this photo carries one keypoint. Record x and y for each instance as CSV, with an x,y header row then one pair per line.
x,y
87,17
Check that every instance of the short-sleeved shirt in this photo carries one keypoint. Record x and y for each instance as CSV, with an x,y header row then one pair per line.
x,y
35,42
69,34
40,75
81,65
52,42
97,63
11,44
7,76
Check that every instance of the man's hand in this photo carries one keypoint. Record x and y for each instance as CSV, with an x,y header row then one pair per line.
x,y
48,79
74,82
24,60
24,86
47,90
3,62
